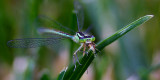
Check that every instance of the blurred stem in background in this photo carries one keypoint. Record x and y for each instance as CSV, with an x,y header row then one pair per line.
x,y
6,30
72,45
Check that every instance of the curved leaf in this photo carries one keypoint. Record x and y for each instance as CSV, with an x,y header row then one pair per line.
x,y
70,74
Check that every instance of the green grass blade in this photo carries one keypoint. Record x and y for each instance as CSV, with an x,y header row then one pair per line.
x,y
123,31
60,77
86,60
144,75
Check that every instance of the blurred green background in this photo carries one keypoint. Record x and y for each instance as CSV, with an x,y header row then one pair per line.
x,y
135,56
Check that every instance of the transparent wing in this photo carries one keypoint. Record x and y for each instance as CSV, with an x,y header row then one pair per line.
x,y
88,29
32,42
51,33
80,15
46,22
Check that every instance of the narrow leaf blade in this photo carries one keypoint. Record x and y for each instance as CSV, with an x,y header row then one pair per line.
x,y
70,74
123,31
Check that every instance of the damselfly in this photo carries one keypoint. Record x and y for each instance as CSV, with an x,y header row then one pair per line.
x,y
85,40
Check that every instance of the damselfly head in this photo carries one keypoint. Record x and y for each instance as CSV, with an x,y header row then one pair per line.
x,y
83,38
